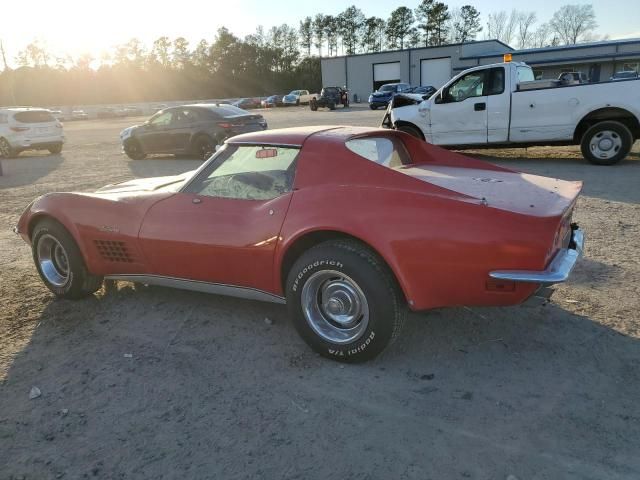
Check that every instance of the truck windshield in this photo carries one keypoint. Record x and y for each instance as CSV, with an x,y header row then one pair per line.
x,y
525,74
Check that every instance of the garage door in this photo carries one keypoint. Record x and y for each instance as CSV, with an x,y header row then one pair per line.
x,y
385,73
435,71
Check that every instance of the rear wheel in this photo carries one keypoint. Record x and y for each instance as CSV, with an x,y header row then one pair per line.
x,y
373,107
606,143
313,105
344,301
5,149
133,150
411,130
332,106
204,147
60,263
56,149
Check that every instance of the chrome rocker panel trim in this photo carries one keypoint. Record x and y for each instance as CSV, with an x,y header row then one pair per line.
x,y
558,270
199,286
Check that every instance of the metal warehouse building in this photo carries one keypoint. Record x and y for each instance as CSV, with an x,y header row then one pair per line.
x,y
435,65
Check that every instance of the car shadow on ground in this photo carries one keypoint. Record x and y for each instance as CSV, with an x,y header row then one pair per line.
x,y
27,168
151,382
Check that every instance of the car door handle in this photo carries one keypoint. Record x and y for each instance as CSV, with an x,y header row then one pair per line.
x,y
478,107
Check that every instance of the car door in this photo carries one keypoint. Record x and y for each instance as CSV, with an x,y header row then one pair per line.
x,y
498,105
224,225
154,135
459,114
183,123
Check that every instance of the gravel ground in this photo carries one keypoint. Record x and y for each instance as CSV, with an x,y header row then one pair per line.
x,y
142,382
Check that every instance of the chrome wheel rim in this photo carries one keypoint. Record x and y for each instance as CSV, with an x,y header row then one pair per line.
x,y
335,307
53,260
605,144
4,148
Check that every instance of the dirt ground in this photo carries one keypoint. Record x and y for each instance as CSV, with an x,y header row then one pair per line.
x,y
142,382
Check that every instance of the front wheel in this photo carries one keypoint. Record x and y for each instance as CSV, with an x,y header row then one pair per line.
x,y
411,130
60,263
133,150
606,143
373,107
313,105
344,301
5,149
55,149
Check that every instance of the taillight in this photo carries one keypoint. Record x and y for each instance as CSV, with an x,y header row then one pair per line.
x,y
19,129
224,125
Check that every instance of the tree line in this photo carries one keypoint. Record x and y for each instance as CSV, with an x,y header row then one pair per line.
x,y
268,61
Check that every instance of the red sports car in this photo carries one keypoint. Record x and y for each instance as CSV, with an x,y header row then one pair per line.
x,y
350,227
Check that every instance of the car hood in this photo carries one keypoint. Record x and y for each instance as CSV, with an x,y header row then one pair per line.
x,y
170,184
512,191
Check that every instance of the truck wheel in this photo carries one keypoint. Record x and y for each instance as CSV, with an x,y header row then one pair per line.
x,y
332,106
606,143
133,150
411,130
313,106
373,107
344,301
60,263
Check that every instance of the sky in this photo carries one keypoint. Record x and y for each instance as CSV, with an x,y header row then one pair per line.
x,y
75,27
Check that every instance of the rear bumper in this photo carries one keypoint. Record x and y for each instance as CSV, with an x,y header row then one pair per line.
x,y
37,142
558,270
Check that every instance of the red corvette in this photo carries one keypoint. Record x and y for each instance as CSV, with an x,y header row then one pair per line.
x,y
348,226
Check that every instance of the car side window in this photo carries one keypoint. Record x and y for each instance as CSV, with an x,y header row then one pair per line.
x,y
247,173
384,151
162,119
496,81
184,116
468,86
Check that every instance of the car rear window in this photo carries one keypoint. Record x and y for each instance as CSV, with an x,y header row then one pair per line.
x,y
34,116
228,111
381,150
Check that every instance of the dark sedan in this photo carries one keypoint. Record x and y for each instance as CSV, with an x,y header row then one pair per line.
x,y
382,96
272,101
188,129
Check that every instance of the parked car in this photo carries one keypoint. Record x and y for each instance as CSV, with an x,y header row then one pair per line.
x,y
26,128
297,97
329,98
624,75
272,101
246,103
502,105
188,129
425,91
58,115
158,107
384,223
79,115
132,111
382,96
109,112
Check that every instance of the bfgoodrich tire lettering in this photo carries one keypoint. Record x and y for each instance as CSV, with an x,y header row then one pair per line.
x,y
59,262
357,309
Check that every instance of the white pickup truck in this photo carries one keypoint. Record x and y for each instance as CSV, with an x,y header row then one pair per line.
x,y
502,105
297,97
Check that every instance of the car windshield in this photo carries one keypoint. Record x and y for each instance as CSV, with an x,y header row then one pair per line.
x,y
330,90
387,88
295,92
34,116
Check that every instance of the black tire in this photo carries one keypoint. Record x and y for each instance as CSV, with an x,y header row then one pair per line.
x,y
411,130
77,282
203,147
373,107
352,263
332,106
313,105
5,149
618,136
133,149
297,102
56,149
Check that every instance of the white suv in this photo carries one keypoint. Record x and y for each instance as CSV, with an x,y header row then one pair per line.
x,y
25,128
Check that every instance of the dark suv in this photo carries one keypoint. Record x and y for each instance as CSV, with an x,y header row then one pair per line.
x,y
189,129
382,96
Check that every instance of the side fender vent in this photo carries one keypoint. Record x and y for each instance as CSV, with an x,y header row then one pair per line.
x,y
113,251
